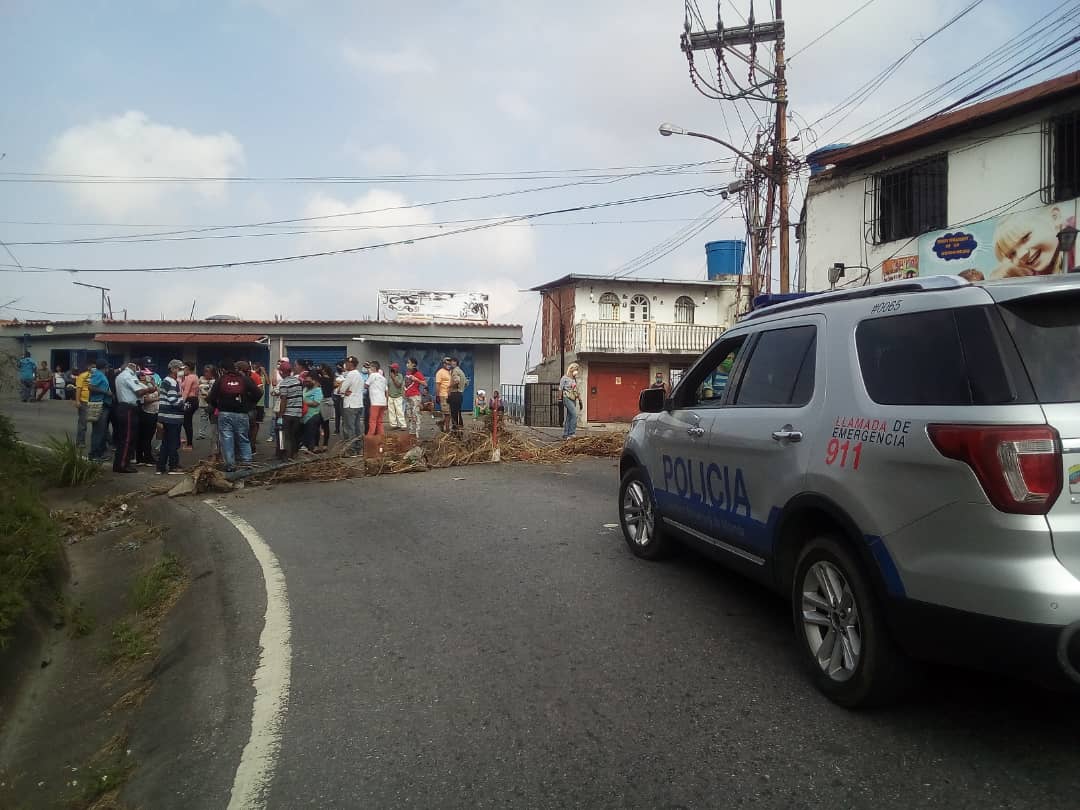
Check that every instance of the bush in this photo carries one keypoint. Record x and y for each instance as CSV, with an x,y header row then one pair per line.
x,y
66,466
30,550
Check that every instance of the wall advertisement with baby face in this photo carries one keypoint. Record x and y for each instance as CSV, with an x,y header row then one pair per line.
x,y
1020,243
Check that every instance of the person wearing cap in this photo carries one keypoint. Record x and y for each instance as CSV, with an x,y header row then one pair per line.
x,y
395,398
414,381
480,407
442,391
171,417
147,422
352,404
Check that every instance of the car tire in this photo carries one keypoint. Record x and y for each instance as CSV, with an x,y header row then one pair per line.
x,y
639,518
841,630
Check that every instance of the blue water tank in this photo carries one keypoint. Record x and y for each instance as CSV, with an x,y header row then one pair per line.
x,y
725,258
818,160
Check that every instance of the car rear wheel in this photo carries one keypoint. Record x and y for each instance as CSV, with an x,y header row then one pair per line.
x,y
639,519
841,629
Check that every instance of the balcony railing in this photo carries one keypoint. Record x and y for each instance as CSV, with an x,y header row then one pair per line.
x,y
644,338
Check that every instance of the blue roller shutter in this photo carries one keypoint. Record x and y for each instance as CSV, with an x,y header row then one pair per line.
x,y
331,355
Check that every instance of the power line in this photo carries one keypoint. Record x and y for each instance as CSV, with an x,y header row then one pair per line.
x,y
1017,45
607,172
856,99
673,242
385,209
828,31
136,239
362,248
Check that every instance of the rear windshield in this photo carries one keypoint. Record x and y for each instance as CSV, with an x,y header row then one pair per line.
x,y
1047,333
940,357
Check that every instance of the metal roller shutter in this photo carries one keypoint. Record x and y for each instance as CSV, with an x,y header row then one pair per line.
x,y
332,355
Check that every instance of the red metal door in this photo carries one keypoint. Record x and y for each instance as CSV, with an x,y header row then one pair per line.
x,y
613,391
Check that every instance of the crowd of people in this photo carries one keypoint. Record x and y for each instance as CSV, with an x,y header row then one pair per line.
x,y
149,420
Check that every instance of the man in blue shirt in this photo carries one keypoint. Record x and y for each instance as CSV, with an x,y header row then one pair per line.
x,y
100,392
129,392
26,377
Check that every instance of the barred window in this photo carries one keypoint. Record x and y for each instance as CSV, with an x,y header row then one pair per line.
x,y
609,307
1061,157
684,309
911,200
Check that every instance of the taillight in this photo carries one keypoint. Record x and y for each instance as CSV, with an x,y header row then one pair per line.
x,y
1019,467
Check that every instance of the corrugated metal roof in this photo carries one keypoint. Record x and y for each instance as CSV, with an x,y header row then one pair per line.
x,y
937,128
476,324
174,337
686,282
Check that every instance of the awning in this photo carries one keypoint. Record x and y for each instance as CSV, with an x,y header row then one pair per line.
x,y
176,337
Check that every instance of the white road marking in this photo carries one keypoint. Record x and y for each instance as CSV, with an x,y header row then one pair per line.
x,y
272,676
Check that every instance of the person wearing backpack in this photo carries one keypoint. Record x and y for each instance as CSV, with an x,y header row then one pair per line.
x,y
458,383
233,396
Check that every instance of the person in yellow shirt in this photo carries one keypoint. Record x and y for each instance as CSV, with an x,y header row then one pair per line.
x,y
82,402
442,391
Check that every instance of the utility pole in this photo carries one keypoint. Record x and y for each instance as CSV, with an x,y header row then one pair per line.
x,y
726,40
104,297
780,161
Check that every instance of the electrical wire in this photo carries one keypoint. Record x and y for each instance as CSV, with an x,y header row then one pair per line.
x,y
362,248
860,95
1016,47
385,209
673,242
829,30
610,172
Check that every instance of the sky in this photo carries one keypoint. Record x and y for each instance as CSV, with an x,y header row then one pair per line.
x,y
413,107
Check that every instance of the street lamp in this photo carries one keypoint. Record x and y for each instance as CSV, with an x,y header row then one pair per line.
x,y
668,130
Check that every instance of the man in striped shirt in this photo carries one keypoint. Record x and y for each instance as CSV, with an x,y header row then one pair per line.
x,y
290,411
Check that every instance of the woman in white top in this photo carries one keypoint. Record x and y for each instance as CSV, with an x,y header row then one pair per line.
x,y
376,386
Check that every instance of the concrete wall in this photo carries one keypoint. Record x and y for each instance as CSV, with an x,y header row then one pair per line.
x,y
718,310
992,170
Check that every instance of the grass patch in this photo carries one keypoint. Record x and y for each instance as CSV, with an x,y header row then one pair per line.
x,y
66,466
152,594
97,785
153,589
129,642
31,556
79,620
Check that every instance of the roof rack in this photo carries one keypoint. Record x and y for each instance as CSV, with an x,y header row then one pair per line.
x,y
928,284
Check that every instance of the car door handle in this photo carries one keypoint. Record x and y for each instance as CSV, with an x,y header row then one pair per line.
x,y
787,433
695,431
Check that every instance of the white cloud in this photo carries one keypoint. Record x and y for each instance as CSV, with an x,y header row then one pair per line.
x,y
382,158
516,107
391,63
133,145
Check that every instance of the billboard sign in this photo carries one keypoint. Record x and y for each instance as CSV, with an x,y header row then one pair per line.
x,y
900,268
455,306
1021,243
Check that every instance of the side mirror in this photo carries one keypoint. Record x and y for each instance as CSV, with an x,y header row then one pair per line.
x,y
651,400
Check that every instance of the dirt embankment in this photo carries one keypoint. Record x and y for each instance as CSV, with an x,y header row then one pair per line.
x,y
85,584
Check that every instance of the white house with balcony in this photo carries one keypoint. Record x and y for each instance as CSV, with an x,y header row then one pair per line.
x,y
982,192
624,331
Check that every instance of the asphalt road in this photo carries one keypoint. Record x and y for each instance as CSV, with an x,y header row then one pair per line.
x,y
478,637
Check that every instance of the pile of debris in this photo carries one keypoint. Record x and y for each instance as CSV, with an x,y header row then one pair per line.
x,y
401,453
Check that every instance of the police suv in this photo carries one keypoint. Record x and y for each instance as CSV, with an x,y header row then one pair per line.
x,y
902,461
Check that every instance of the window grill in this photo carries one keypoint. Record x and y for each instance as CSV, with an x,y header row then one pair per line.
x,y
609,307
684,309
911,200
1061,157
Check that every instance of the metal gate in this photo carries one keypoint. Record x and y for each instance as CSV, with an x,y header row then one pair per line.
x,y
543,405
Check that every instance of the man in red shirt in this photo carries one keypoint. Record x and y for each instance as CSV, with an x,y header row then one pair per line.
x,y
414,382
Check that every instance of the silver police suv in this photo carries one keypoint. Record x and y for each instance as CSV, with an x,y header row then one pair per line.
x,y
902,461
